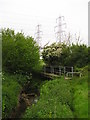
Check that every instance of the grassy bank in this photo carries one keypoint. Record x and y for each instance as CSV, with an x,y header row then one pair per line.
x,y
10,91
80,97
61,98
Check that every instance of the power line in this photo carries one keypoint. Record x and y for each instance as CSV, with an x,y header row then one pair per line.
x,y
59,28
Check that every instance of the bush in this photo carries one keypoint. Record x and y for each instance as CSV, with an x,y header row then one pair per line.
x,y
10,92
61,54
84,70
61,99
80,97
60,89
55,101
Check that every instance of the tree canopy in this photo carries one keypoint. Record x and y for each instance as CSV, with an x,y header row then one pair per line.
x,y
19,53
61,54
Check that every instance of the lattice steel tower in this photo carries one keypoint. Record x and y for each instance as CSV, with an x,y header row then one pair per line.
x,y
60,28
38,34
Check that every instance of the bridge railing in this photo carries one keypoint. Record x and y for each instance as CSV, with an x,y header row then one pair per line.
x,y
59,70
67,71
68,74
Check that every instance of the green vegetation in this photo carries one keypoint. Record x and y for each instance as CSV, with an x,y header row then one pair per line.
x,y
19,53
61,54
20,56
55,101
60,98
22,67
11,89
80,98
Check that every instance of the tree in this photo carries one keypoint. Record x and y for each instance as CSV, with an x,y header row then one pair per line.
x,y
19,53
64,55
51,53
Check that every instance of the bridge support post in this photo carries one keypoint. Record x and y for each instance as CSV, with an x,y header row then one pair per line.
x,y
64,70
59,70
52,69
44,69
72,71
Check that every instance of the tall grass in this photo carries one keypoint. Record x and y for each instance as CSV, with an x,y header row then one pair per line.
x,y
10,92
55,101
80,97
61,98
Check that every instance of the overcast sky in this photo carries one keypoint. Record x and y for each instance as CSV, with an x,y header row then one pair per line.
x,y
26,14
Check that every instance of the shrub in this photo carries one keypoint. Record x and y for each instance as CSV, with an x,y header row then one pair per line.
x,y
61,99
80,97
10,92
61,54
55,101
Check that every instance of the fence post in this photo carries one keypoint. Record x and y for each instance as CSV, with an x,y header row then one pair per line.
x,y
80,75
52,69
72,71
44,69
64,71
59,71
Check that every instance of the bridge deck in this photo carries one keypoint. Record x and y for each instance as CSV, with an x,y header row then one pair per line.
x,y
50,75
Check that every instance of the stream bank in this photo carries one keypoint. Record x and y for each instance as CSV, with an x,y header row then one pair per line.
x,y
28,95
24,100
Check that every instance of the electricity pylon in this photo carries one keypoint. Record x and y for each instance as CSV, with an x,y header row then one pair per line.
x,y
59,28
38,34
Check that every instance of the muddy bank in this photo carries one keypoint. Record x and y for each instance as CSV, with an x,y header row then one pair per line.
x,y
24,100
28,95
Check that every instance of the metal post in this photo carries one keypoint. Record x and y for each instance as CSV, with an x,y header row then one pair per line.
x,y
44,69
72,71
52,69
64,71
59,71
80,74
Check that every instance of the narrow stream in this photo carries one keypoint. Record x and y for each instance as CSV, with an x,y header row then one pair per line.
x,y
29,95
24,100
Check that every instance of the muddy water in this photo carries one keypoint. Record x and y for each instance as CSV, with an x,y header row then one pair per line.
x,y
24,100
